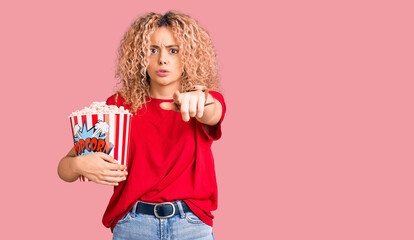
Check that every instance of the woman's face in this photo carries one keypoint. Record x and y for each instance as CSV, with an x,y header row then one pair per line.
x,y
164,55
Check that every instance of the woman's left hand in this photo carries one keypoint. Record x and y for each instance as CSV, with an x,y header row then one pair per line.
x,y
190,104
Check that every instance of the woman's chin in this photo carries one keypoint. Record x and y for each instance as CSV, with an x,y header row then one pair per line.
x,y
164,81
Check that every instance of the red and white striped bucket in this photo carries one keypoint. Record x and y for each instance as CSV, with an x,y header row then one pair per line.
x,y
108,133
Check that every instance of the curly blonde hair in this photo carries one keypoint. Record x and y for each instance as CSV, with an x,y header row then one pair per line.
x,y
198,56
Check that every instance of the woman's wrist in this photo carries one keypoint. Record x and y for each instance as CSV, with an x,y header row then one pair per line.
x,y
209,99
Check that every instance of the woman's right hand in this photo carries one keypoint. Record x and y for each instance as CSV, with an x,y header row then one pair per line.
x,y
100,168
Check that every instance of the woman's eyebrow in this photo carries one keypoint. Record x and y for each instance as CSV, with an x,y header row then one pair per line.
x,y
169,46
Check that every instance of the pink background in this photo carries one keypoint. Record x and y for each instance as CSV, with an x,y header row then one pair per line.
x,y
317,141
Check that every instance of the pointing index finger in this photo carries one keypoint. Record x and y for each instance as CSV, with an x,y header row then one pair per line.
x,y
169,106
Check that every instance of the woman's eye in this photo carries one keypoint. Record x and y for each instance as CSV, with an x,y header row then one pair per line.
x,y
153,50
174,50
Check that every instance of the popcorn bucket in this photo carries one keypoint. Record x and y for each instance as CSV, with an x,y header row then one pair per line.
x,y
107,133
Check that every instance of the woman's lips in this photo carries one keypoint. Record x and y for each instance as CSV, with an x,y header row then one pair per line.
x,y
162,73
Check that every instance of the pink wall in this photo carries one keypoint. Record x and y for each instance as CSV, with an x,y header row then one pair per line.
x,y
317,141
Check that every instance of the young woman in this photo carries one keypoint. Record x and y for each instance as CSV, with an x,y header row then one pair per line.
x,y
169,75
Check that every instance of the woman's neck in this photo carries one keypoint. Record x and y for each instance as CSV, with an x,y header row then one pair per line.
x,y
163,91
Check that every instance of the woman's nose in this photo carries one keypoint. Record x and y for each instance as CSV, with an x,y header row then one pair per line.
x,y
163,58
162,61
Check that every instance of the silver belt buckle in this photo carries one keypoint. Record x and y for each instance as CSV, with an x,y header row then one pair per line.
x,y
155,210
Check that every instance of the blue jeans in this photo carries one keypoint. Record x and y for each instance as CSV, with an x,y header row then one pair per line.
x,y
185,226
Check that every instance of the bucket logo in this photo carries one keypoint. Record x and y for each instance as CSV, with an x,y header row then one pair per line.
x,y
92,140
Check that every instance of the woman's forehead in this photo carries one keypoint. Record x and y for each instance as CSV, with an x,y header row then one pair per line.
x,y
163,37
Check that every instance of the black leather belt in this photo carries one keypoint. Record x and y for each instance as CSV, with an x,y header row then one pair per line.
x,y
161,210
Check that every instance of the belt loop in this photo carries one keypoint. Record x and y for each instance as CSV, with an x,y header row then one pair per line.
x,y
134,209
180,207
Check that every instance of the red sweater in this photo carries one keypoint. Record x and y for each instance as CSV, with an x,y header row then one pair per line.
x,y
168,160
